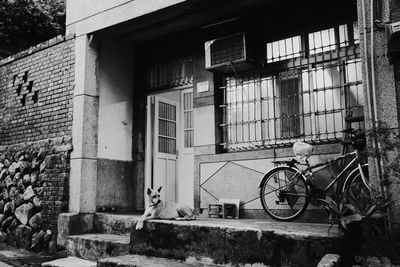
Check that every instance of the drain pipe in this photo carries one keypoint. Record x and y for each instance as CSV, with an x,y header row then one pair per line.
x,y
373,64
370,108
373,87
366,60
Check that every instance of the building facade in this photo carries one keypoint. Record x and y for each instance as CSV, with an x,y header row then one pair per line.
x,y
199,97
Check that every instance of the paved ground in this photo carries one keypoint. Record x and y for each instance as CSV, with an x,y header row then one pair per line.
x,y
11,256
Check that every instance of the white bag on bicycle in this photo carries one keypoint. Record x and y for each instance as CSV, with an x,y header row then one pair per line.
x,y
302,150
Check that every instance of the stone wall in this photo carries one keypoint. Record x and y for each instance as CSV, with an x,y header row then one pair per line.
x,y
36,96
34,191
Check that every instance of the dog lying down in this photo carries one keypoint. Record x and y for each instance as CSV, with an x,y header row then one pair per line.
x,y
167,210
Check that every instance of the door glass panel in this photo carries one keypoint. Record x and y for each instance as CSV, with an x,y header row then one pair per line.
x,y
167,128
188,119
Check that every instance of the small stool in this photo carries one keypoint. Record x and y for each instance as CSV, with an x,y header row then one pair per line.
x,y
215,210
229,210
223,210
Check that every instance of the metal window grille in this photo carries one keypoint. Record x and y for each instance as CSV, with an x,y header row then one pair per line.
x,y
171,73
301,94
283,49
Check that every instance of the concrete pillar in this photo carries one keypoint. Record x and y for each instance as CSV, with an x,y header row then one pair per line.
x,y
83,177
385,95
205,124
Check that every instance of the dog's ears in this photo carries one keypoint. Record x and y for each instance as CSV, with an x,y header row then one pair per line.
x,y
148,191
159,189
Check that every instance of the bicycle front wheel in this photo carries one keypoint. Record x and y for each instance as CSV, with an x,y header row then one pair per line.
x,y
284,193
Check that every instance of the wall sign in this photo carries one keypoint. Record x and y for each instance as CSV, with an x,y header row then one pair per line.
x,y
203,87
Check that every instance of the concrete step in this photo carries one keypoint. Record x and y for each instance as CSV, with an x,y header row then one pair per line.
x,y
222,241
145,261
236,241
116,224
97,246
69,262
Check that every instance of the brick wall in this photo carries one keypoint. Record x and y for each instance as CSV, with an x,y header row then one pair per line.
x,y
36,96
36,88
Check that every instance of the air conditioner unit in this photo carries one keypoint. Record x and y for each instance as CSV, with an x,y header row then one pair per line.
x,y
231,53
393,41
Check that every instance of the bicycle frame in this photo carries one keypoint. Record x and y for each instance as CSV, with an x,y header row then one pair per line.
x,y
286,191
340,175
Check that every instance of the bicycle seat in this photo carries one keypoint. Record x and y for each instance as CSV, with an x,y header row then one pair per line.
x,y
301,149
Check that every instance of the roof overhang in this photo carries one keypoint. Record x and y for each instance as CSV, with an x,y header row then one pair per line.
x,y
185,15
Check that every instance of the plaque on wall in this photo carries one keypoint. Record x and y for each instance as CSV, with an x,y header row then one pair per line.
x,y
203,87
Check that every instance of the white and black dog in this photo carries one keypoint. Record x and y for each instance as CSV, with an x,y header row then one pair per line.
x,y
159,209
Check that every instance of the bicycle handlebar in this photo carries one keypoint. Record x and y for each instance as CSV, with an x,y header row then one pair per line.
x,y
358,140
356,133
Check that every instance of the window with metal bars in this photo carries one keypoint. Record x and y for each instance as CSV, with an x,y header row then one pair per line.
x,y
308,85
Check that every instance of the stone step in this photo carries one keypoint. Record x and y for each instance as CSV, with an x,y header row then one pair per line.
x,y
145,261
222,241
69,262
116,224
236,242
97,246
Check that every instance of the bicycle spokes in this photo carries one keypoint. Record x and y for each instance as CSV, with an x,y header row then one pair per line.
x,y
284,194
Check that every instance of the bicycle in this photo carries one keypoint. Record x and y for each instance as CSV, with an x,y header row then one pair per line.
x,y
285,191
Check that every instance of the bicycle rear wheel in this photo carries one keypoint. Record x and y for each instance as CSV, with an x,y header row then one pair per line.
x,y
357,191
284,193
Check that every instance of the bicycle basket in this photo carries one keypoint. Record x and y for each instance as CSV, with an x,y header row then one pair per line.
x,y
326,174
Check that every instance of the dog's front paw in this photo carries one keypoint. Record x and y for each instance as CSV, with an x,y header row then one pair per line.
x,y
139,225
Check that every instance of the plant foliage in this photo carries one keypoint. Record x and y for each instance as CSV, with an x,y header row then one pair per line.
x,y
24,23
389,151
362,212
358,202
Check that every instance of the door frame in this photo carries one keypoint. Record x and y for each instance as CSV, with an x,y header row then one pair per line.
x,y
184,171
149,129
